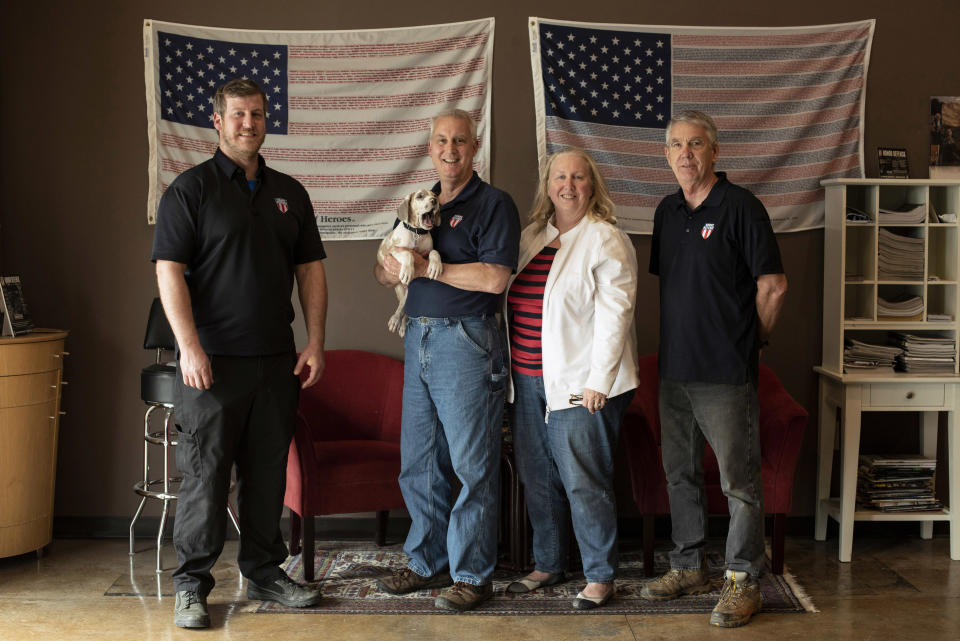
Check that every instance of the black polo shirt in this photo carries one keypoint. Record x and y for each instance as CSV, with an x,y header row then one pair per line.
x,y
240,249
708,261
480,225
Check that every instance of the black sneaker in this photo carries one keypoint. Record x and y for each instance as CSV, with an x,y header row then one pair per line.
x,y
284,591
190,610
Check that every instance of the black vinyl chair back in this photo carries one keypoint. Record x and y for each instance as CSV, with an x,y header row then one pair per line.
x,y
159,336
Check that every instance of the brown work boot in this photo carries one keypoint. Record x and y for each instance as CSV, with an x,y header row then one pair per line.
x,y
463,596
405,581
676,583
739,600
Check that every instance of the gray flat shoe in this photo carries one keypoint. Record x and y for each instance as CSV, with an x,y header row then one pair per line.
x,y
522,586
584,602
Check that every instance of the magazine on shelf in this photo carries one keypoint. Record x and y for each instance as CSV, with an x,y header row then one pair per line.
x,y
16,318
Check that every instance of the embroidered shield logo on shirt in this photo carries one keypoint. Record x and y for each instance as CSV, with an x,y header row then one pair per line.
x,y
282,205
706,231
455,220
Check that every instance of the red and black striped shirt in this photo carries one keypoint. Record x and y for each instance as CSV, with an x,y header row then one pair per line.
x,y
525,302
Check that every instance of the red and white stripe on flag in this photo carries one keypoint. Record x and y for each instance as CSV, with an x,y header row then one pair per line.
x,y
358,109
789,104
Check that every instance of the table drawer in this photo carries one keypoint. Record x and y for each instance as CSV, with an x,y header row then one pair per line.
x,y
31,357
907,395
28,389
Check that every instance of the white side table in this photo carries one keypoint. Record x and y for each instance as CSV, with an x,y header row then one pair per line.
x,y
862,392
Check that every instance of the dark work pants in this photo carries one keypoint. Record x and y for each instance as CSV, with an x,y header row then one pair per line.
x,y
246,418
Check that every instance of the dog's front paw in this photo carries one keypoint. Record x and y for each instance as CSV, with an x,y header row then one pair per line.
x,y
398,323
434,266
406,274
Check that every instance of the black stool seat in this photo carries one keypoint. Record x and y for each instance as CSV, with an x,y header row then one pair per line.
x,y
157,383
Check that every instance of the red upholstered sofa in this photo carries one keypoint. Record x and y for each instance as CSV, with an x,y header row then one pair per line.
x,y
345,454
782,421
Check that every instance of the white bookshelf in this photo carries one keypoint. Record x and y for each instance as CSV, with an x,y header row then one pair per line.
x,y
853,282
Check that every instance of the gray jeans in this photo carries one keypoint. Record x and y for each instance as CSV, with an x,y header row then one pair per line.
x,y
726,417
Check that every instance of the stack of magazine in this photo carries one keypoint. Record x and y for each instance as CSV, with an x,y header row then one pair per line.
x,y
900,308
906,214
858,355
897,483
901,257
925,354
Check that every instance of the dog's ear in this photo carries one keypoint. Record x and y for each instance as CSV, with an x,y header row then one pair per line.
x,y
403,210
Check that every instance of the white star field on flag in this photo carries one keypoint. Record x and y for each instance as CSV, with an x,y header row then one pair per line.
x,y
192,68
606,77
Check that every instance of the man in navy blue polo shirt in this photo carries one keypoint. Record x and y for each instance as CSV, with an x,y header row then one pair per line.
x,y
454,376
231,236
721,290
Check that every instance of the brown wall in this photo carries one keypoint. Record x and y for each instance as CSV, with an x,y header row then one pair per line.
x,y
73,184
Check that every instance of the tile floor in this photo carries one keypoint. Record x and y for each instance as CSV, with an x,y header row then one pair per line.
x,y
895,588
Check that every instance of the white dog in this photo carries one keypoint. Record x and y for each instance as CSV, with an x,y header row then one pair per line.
x,y
418,214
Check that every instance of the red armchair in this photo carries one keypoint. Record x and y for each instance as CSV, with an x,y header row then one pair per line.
x,y
345,454
782,421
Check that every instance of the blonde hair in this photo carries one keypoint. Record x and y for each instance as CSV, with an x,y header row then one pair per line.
x,y
600,206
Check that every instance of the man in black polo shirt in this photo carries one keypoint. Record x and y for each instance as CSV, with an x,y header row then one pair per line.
x,y
231,236
721,290
454,377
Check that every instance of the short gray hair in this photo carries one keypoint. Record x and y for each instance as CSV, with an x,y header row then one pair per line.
x,y
697,118
456,113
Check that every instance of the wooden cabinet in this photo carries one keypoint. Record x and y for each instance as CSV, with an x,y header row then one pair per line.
x,y
30,383
857,274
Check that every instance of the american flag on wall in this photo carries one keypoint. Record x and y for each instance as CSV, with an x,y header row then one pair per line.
x,y
349,111
788,102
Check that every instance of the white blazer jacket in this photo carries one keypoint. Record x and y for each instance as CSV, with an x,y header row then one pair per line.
x,y
588,334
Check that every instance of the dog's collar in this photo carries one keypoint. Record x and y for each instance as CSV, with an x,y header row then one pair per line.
x,y
416,230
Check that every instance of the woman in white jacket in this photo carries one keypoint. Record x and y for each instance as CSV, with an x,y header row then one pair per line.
x,y
574,369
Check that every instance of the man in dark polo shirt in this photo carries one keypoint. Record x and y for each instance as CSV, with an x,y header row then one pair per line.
x,y
231,236
721,290
454,376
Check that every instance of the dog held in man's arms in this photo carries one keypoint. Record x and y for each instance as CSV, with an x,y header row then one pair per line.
x,y
418,213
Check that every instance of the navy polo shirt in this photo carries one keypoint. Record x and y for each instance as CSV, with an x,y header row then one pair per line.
x,y
480,225
241,248
708,261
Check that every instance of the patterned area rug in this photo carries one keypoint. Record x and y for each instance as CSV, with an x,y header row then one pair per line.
x,y
347,573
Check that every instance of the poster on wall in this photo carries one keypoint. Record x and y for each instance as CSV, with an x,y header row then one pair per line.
x,y
945,137
349,112
788,101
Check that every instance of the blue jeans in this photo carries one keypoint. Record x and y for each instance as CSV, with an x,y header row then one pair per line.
x,y
453,393
566,467
727,417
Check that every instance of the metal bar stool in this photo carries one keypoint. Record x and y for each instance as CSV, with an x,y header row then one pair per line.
x,y
156,390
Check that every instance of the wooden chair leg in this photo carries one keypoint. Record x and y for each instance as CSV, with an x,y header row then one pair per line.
x,y
307,554
776,544
383,516
649,520
294,533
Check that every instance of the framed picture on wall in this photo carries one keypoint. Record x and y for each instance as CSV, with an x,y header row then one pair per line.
x,y
892,162
945,137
